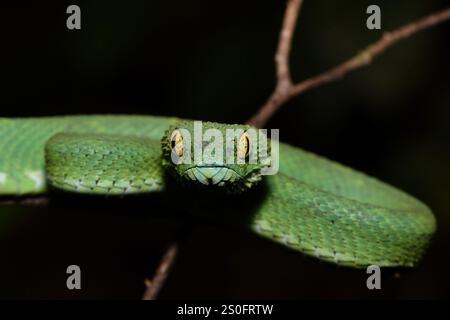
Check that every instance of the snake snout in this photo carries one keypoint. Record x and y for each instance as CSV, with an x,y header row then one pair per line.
x,y
210,175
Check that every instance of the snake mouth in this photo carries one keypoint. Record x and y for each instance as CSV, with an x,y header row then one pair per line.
x,y
212,175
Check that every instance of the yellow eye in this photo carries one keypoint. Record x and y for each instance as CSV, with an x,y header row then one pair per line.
x,y
176,142
243,147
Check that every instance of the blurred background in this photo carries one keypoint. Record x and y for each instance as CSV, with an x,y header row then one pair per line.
x,y
213,60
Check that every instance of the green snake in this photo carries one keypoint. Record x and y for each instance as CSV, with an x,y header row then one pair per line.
x,y
312,205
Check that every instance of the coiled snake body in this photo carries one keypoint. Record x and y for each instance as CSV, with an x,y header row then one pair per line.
x,y
313,205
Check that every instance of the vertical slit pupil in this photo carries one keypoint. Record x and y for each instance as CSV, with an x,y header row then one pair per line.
x,y
247,151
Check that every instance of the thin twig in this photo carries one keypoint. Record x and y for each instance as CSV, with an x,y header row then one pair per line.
x,y
293,8
284,83
155,285
287,90
25,201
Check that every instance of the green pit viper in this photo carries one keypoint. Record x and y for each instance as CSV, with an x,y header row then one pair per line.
x,y
312,205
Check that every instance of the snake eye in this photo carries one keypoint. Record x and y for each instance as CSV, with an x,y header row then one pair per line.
x,y
243,147
176,142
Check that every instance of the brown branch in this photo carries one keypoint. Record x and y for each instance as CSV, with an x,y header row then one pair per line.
x,y
284,46
285,90
29,201
284,83
155,285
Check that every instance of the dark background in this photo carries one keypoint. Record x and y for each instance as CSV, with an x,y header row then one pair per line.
x,y
213,60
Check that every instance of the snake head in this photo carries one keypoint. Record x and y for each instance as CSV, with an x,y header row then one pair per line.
x,y
215,155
